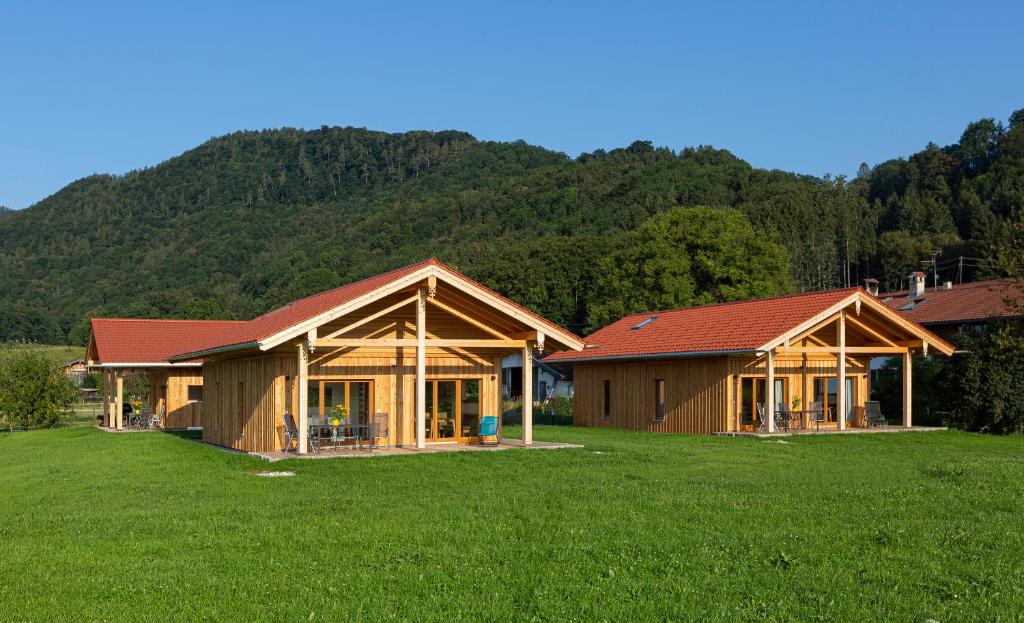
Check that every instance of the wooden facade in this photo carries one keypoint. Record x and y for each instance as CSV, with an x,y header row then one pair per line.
x,y
826,358
428,355
169,390
702,395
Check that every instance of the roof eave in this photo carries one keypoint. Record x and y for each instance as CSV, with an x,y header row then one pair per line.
x,y
671,355
213,351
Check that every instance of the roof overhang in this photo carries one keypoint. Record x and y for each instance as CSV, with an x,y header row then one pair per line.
x,y
146,364
676,355
302,329
908,325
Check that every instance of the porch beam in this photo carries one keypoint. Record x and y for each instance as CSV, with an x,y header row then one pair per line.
x,y
421,368
527,408
856,350
431,343
467,318
841,373
371,317
907,390
870,331
815,328
302,379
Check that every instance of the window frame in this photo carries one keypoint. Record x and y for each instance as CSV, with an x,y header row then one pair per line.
x,y
188,393
660,409
606,399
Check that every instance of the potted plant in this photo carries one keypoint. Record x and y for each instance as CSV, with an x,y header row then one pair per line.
x,y
340,415
796,403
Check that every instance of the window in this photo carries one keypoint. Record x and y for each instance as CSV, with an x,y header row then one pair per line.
x,y
659,400
825,391
606,411
753,393
195,393
641,325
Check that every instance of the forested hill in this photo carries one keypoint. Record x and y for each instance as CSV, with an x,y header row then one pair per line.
x,y
250,220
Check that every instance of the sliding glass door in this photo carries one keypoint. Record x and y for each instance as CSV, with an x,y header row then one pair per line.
x,y
326,395
752,393
452,410
825,390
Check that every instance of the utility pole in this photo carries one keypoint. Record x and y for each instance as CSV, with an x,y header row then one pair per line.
x,y
935,270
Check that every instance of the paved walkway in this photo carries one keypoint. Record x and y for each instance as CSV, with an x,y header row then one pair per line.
x,y
832,431
432,448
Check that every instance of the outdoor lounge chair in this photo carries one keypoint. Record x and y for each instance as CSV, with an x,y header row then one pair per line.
x,y
379,430
489,428
817,414
156,420
873,414
779,420
291,434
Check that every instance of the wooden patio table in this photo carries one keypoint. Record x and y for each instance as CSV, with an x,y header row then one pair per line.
x,y
356,432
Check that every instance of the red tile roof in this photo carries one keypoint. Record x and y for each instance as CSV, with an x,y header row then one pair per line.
x,y
137,340
964,303
738,326
299,311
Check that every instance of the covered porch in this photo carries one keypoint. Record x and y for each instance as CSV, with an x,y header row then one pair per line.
x,y
816,377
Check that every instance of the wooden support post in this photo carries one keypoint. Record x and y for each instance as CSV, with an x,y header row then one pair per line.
x,y
106,398
907,390
119,399
302,387
769,391
421,369
527,409
841,373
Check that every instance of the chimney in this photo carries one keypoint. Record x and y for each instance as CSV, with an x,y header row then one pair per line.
x,y
871,285
916,288
947,285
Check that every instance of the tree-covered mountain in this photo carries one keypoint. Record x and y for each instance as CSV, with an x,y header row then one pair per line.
x,y
4,211
250,220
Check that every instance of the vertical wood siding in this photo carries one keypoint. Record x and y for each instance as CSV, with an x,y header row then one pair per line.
x,y
179,412
702,394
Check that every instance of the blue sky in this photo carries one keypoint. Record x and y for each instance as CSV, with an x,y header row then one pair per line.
x,y
110,87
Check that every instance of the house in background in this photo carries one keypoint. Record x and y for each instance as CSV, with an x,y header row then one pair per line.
x,y
418,348
123,347
717,368
549,381
951,307
76,371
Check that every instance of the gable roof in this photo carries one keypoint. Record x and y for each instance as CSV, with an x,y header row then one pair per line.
x,y
292,320
119,341
966,302
720,329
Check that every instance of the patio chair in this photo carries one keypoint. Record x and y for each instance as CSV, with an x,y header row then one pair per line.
x,y
489,428
763,428
291,434
817,414
379,430
873,414
156,420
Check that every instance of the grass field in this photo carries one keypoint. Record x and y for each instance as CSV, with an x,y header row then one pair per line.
x,y
155,527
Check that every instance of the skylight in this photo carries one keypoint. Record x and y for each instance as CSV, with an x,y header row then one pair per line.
x,y
643,324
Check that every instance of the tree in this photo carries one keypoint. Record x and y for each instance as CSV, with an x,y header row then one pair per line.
x,y
33,391
987,384
688,256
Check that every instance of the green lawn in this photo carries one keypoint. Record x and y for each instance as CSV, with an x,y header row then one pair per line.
x,y
900,527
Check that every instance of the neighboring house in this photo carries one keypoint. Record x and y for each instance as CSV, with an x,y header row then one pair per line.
x,y
76,371
706,369
548,381
951,307
122,347
419,347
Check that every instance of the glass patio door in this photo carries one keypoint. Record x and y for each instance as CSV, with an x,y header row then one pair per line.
x,y
452,410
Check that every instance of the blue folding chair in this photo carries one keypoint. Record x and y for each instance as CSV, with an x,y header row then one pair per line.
x,y
488,428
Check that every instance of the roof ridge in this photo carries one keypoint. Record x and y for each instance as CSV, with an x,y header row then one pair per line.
x,y
851,290
166,320
427,262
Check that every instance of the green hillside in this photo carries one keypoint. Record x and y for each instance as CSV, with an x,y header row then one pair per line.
x,y
250,220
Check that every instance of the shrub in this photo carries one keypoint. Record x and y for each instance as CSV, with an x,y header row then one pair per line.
x,y
33,392
988,382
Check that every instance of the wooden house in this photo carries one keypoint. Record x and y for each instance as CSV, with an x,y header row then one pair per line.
x,y
707,369
123,347
422,344
947,309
